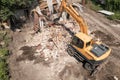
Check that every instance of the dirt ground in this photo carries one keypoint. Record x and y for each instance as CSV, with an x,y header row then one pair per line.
x,y
43,56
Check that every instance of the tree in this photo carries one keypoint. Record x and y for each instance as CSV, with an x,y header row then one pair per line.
x,y
113,5
8,7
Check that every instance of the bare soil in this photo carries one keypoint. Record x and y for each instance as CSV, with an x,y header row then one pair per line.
x,y
37,57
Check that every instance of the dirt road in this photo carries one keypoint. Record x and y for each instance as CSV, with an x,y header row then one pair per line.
x,y
37,57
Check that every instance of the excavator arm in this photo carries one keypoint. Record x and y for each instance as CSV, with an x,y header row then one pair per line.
x,y
70,10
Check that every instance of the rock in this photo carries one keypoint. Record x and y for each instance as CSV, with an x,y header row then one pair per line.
x,y
50,47
116,78
39,46
6,26
18,30
2,43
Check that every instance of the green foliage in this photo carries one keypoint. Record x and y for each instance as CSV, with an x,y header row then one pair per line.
x,y
3,53
4,72
115,16
96,7
112,5
9,6
4,38
3,64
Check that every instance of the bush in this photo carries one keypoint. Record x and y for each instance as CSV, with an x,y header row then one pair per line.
x,y
8,7
115,16
4,38
96,7
4,71
112,5
4,52
3,65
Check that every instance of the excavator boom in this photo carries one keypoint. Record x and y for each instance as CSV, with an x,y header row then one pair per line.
x,y
69,9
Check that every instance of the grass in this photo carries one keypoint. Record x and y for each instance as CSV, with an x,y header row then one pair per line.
x,y
92,5
4,52
4,72
96,7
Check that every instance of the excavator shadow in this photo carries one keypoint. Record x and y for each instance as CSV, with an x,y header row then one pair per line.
x,y
72,52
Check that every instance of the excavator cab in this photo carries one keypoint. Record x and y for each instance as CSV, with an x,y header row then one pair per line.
x,y
81,40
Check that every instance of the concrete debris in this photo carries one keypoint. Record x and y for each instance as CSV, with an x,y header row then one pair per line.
x,y
114,25
38,47
36,22
41,23
2,43
18,30
38,10
64,16
50,6
5,25
38,19
44,4
59,2
50,47
54,16
79,6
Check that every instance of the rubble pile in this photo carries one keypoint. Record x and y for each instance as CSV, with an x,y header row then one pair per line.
x,y
51,41
51,38
50,49
51,46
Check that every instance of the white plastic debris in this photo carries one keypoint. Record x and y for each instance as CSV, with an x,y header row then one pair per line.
x,y
106,12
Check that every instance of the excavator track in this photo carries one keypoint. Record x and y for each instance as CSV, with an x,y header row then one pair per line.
x,y
98,68
72,52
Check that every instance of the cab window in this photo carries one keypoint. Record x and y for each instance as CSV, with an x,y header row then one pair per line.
x,y
78,42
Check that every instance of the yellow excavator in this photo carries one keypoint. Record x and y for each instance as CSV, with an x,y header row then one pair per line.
x,y
86,50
